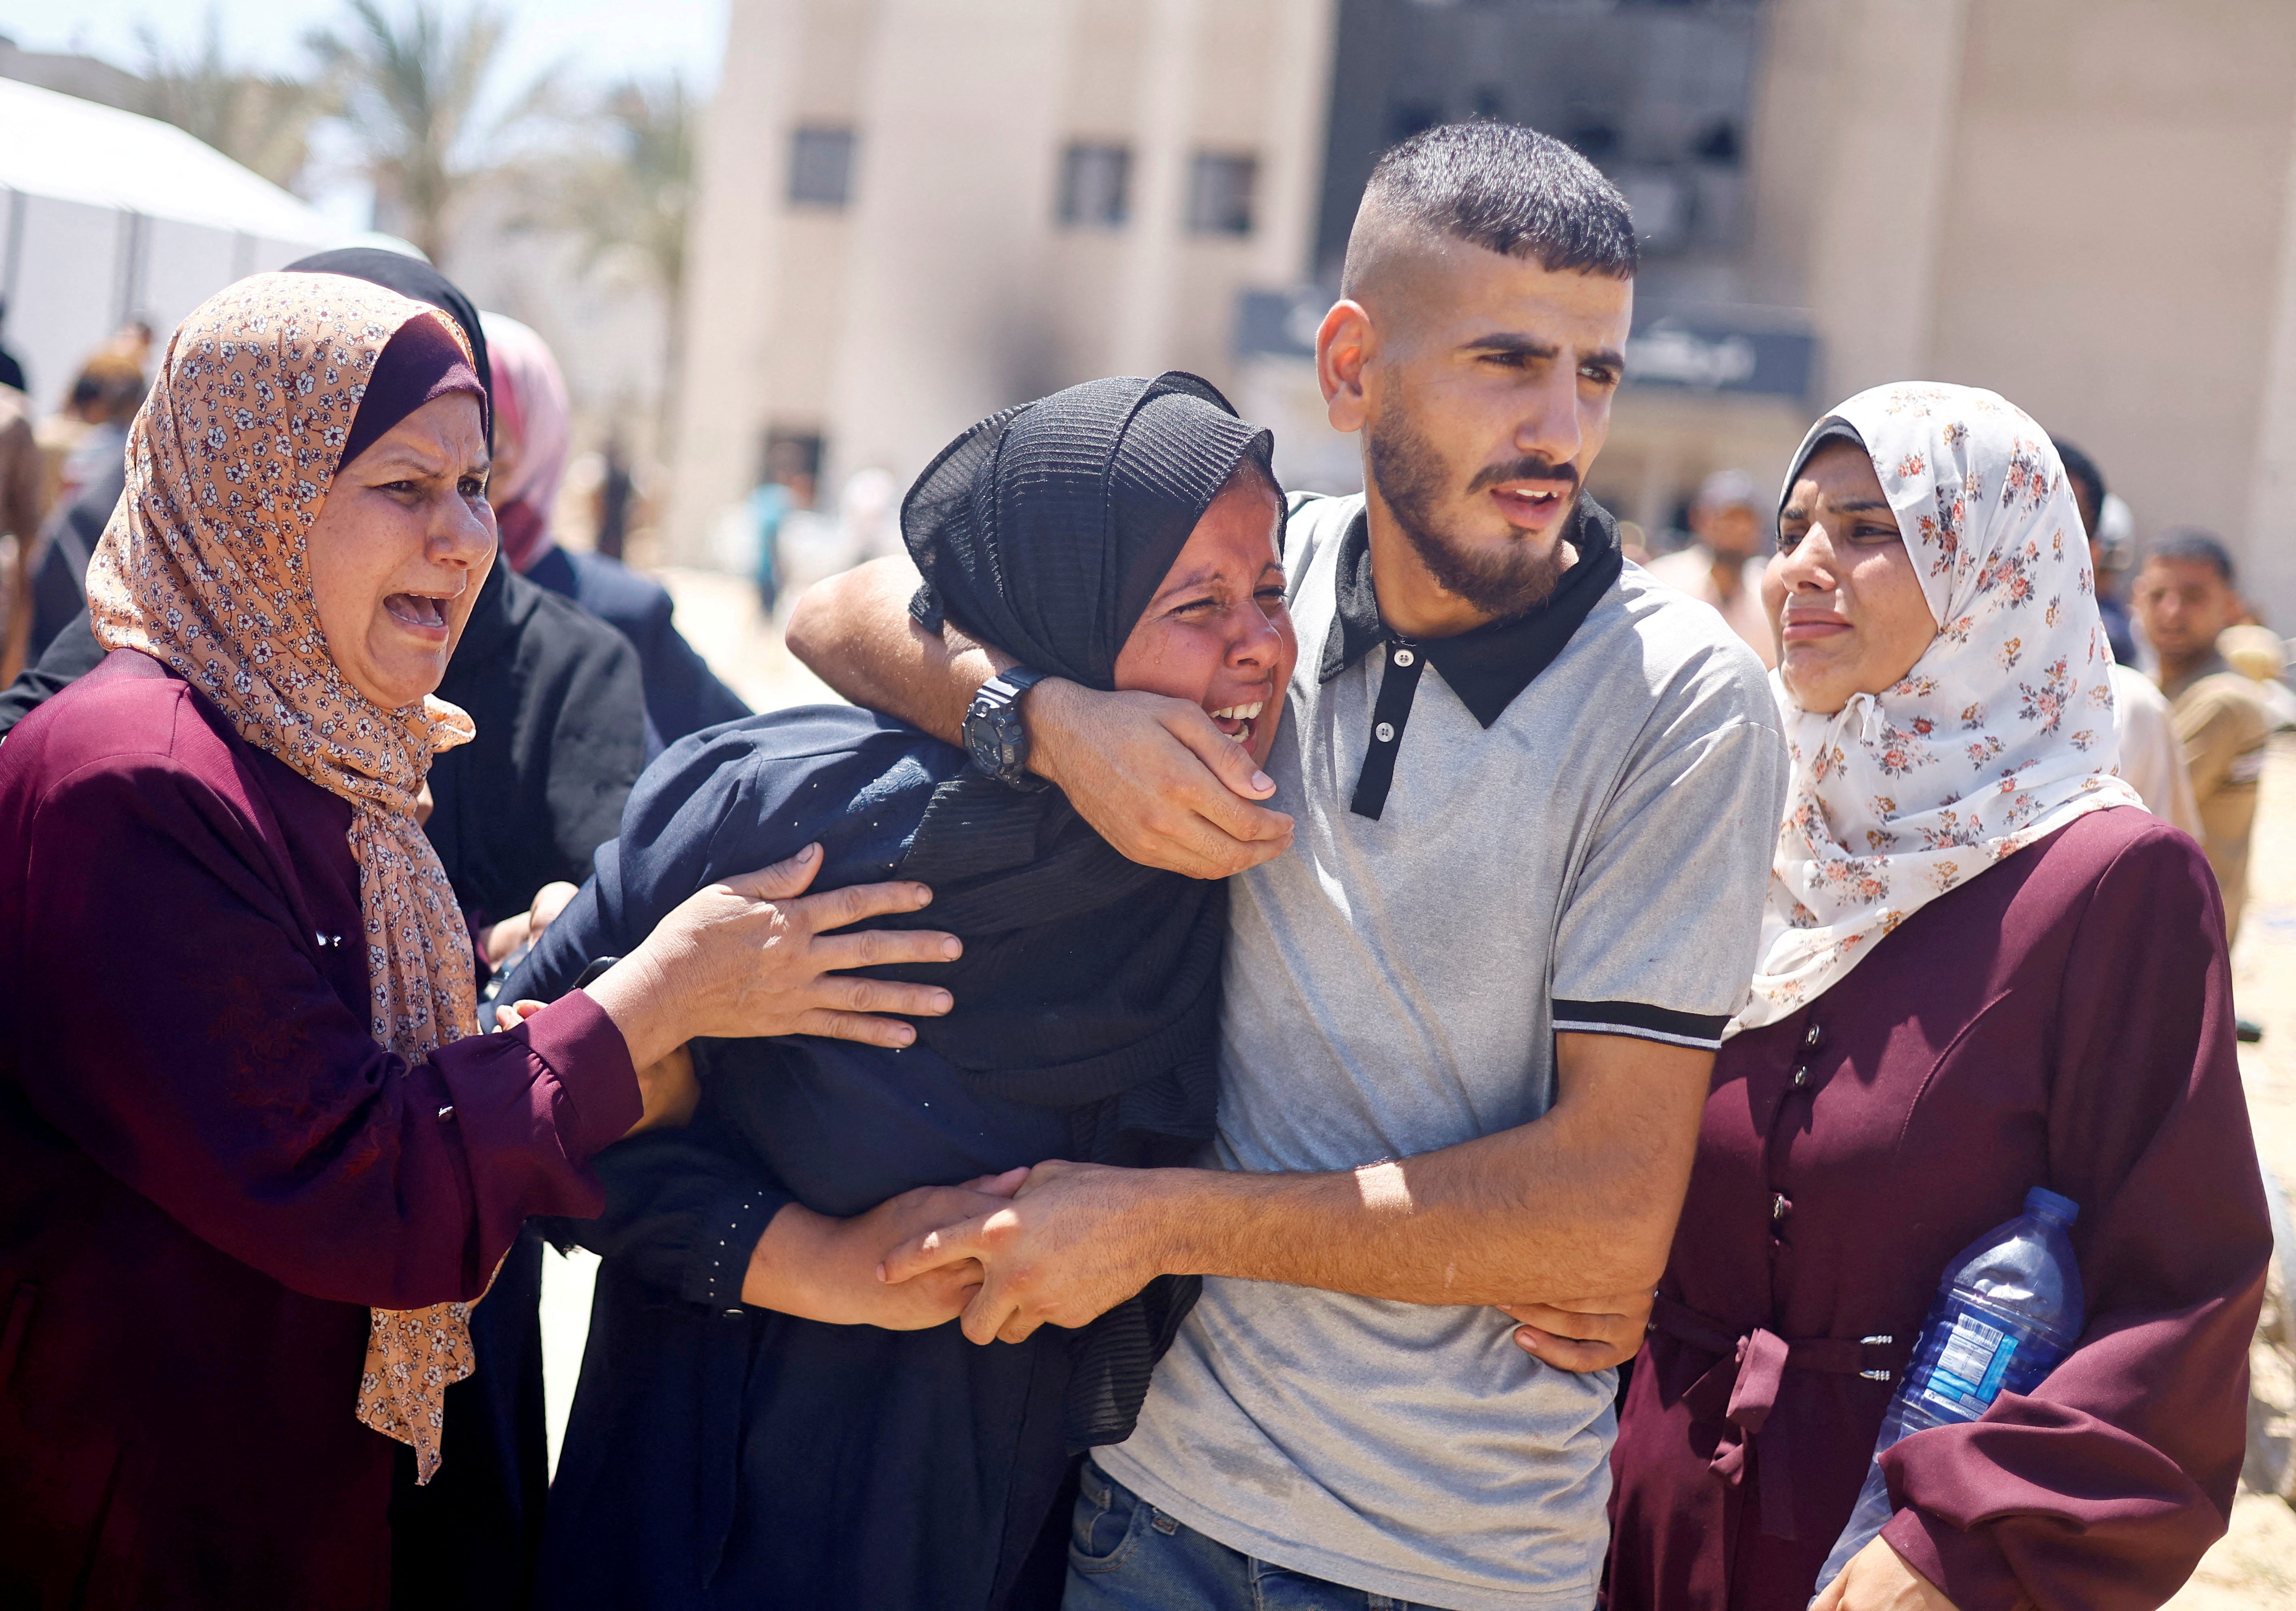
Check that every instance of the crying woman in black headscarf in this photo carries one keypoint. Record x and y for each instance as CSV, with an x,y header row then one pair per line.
x,y
761,1421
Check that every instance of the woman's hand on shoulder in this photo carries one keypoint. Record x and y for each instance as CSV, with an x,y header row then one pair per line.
x,y
755,955
1582,1334
824,1269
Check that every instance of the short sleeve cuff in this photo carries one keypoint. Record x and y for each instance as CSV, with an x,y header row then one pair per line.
x,y
728,1233
1641,1021
578,1042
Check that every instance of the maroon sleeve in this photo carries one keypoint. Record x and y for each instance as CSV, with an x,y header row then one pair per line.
x,y
187,1039
2103,1489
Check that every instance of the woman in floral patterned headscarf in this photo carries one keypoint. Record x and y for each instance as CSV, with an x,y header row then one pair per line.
x,y
254,1162
1985,969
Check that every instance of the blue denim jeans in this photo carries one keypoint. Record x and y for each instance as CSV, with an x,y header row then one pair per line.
x,y
1126,1555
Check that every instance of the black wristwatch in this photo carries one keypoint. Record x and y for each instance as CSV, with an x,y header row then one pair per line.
x,y
994,734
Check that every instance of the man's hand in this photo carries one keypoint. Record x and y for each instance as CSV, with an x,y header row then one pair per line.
x,y
1591,1334
824,1269
1076,1240
1879,1579
1156,778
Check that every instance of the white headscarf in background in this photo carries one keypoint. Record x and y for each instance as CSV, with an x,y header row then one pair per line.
x,y
2001,734
534,429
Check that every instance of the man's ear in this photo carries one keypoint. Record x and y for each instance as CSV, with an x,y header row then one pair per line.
x,y
1343,345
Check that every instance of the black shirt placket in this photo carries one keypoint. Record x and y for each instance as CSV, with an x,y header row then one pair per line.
x,y
1391,714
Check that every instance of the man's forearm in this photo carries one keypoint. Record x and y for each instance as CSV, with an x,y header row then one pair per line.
x,y
1578,1203
1450,1227
855,632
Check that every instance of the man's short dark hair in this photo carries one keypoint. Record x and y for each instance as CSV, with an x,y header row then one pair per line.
x,y
2088,481
2192,542
1507,189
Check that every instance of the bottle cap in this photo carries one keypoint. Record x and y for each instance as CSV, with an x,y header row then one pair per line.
x,y
2048,1205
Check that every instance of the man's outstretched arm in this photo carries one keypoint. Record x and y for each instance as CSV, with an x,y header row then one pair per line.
x,y
1153,775
1579,1202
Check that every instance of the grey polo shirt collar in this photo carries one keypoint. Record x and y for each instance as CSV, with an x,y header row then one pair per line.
x,y
1486,668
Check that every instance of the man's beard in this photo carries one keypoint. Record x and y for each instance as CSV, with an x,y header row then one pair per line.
x,y
1411,476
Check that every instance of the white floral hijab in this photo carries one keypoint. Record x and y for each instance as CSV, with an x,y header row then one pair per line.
x,y
2001,734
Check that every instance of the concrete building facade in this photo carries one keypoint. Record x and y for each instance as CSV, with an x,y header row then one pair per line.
x,y
916,211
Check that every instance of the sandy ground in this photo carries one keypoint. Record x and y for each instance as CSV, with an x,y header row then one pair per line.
x,y
2253,1568
2254,1565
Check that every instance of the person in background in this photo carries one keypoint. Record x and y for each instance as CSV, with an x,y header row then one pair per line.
x,y
868,524
12,372
90,434
255,1158
1723,567
1633,543
2258,654
617,492
788,487
22,506
66,543
2184,598
133,341
1980,973
2151,757
2088,494
683,695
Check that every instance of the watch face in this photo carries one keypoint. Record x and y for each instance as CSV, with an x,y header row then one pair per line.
x,y
991,738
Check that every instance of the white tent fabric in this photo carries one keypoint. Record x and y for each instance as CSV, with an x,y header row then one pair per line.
x,y
106,216
70,150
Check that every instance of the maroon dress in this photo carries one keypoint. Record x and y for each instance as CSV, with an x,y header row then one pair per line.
x,y
2063,1021
208,1171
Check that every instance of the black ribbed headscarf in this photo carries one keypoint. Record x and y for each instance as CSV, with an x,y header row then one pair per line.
x,y
1046,528
409,277
1088,983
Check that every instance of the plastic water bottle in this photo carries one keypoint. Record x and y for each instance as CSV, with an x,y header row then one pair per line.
x,y
2010,1307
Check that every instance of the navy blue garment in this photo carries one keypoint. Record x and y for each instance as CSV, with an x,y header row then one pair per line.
x,y
723,1455
2116,629
60,584
683,695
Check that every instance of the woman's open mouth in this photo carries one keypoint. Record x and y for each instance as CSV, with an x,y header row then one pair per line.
x,y
1240,722
419,612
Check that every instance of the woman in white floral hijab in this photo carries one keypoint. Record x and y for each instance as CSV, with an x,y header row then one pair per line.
x,y
1997,732
1976,977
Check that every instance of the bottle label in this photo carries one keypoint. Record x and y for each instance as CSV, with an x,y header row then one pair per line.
x,y
1969,1369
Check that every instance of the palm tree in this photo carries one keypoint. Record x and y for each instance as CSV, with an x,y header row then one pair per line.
x,y
260,120
627,193
410,90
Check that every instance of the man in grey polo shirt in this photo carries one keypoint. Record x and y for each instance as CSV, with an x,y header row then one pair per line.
x,y
1469,1016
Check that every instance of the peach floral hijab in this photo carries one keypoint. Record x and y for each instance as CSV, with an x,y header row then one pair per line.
x,y
203,568
2001,734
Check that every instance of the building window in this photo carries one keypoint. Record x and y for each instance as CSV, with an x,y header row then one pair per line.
x,y
821,166
1096,186
1219,194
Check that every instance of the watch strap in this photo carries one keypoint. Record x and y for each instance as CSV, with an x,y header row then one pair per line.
x,y
998,703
